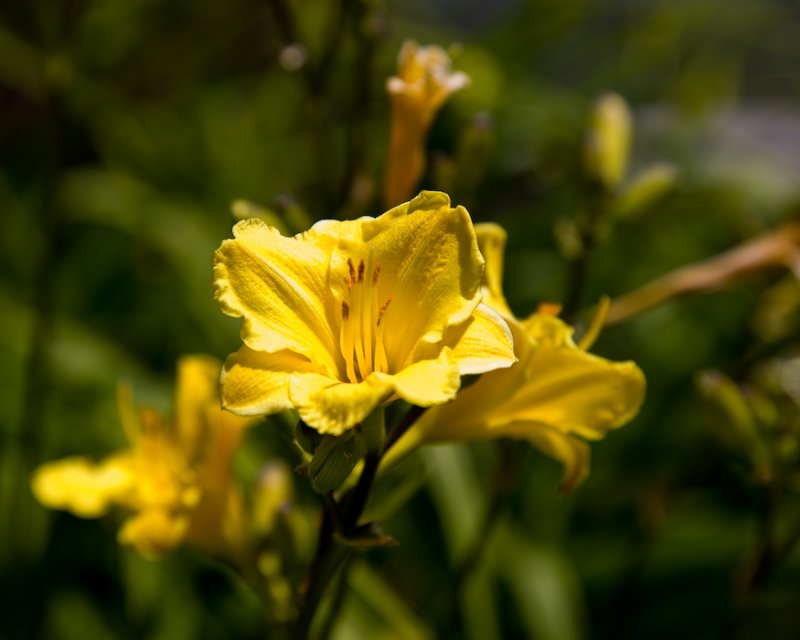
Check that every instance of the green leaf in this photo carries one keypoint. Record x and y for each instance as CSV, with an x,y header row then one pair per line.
x,y
544,587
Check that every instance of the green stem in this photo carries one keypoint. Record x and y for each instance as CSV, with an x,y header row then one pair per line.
x,y
330,555
407,421
343,517
326,562
579,266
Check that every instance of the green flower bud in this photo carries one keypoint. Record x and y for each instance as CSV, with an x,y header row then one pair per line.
x,y
646,189
736,428
334,460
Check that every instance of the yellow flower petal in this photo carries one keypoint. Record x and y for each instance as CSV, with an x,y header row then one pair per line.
x,y
154,532
196,391
433,270
427,382
278,286
486,343
492,243
553,395
574,391
81,486
257,383
333,407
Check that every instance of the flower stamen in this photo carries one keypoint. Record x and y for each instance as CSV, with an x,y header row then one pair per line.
x,y
361,333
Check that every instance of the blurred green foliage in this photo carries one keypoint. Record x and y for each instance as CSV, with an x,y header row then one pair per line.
x,y
130,127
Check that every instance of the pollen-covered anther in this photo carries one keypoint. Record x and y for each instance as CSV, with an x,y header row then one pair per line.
x,y
383,309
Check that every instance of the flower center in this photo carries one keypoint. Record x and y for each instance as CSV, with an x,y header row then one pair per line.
x,y
361,335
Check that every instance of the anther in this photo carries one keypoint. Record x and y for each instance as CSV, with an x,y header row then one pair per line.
x,y
352,270
376,274
361,271
383,308
345,310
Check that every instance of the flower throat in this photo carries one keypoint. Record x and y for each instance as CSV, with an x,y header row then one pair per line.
x,y
361,335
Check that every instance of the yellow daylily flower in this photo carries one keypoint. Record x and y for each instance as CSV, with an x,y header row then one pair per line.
x,y
423,83
350,315
176,478
557,395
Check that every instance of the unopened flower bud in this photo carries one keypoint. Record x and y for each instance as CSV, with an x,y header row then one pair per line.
x,y
307,437
645,189
608,141
334,460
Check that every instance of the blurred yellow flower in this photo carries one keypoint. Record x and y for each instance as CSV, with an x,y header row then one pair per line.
x,y
349,315
423,83
176,478
556,396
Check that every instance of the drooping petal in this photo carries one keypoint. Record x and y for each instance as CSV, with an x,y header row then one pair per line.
x,y
333,407
280,287
255,383
573,453
555,395
431,270
571,390
492,243
85,488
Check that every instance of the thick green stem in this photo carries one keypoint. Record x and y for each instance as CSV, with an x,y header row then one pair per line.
x,y
342,517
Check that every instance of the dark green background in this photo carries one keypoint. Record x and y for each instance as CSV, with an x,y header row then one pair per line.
x,y
129,126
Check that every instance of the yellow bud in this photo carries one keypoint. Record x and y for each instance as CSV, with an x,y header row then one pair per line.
x,y
608,141
423,83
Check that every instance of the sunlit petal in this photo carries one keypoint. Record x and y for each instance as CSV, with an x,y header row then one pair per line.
x,y
330,406
428,382
279,286
433,270
485,345
492,243
257,383
571,390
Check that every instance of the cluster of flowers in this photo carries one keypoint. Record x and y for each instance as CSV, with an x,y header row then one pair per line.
x,y
339,322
